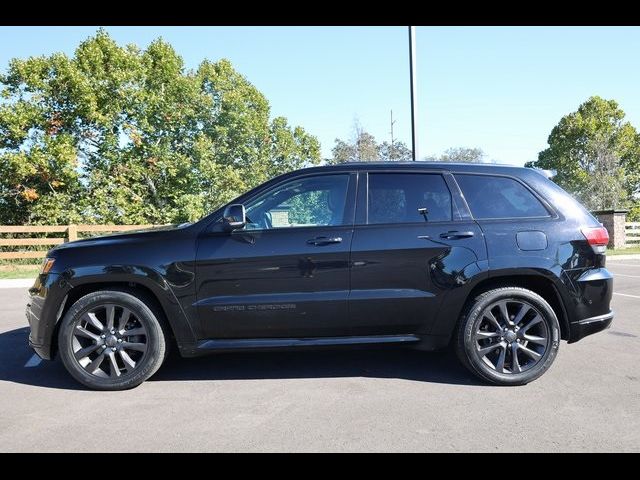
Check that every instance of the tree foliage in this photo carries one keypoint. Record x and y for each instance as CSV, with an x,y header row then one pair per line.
x,y
459,154
398,152
363,147
596,154
462,154
124,135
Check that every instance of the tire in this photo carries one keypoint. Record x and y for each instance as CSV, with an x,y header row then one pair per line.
x,y
535,337
117,358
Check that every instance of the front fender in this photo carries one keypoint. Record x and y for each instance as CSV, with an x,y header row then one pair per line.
x,y
146,277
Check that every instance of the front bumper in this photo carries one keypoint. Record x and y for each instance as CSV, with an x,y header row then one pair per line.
x,y
42,350
589,326
46,299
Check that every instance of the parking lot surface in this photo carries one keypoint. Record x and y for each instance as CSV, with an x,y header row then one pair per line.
x,y
345,400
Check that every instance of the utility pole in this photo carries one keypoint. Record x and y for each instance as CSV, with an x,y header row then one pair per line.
x,y
391,155
414,109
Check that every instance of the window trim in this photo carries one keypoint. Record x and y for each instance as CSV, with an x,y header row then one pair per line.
x,y
551,212
362,211
349,204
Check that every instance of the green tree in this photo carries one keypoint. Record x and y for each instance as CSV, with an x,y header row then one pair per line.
x,y
119,134
596,154
458,154
462,154
399,152
363,147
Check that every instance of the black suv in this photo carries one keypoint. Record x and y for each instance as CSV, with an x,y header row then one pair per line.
x,y
496,261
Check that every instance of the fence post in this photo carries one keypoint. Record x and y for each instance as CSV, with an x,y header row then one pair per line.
x,y
614,222
72,233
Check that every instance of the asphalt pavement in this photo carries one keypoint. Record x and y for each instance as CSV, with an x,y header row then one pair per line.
x,y
345,400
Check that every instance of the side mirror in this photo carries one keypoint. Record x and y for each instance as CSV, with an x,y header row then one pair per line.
x,y
234,217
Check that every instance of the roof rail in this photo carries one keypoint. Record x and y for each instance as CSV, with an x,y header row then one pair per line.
x,y
549,173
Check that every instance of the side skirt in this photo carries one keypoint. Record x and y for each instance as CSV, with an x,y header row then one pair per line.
x,y
258,343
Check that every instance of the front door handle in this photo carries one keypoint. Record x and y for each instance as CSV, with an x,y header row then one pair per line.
x,y
450,235
319,241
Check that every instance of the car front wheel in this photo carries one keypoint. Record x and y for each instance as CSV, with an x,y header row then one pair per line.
x,y
508,336
111,340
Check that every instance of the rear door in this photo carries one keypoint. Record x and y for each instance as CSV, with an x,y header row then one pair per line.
x,y
412,242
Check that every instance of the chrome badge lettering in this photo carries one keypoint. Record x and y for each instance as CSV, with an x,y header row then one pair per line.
x,y
251,308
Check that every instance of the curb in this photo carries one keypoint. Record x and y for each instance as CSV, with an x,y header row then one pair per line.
x,y
629,256
17,283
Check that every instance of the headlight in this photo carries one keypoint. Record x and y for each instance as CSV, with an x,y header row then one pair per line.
x,y
47,265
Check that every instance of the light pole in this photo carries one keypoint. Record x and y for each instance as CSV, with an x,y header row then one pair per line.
x,y
414,109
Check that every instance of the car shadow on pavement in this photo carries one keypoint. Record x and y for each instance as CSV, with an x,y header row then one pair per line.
x,y
401,363
14,355
434,367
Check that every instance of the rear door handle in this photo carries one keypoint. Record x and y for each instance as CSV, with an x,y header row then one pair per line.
x,y
319,241
455,234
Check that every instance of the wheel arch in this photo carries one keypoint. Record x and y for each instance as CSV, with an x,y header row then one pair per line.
x,y
137,289
537,283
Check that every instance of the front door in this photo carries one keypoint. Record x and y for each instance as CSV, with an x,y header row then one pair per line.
x,y
286,274
412,243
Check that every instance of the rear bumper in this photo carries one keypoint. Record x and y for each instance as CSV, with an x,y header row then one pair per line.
x,y
590,309
588,326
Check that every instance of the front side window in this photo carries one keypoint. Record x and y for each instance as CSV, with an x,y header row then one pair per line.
x,y
499,197
304,202
408,198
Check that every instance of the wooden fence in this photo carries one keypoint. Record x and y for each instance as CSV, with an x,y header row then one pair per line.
x,y
66,233
632,234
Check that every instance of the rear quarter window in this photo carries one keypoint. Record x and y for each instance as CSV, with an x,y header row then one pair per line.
x,y
499,197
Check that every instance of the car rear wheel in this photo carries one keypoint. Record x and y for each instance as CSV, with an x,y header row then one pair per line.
x,y
508,336
111,340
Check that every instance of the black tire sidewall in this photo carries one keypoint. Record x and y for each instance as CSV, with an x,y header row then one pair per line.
x,y
156,345
467,344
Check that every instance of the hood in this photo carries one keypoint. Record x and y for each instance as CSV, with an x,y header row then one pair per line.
x,y
115,238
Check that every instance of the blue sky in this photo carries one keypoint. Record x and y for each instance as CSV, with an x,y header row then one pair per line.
x,y
501,89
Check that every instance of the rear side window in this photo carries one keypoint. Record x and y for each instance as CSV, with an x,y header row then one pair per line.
x,y
499,197
400,198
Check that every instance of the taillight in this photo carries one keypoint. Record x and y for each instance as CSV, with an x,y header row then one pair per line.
x,y
598,238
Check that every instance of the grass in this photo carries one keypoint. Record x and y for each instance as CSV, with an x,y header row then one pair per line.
x,y
624,251
18,271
